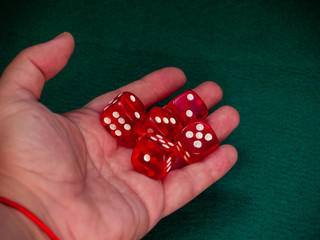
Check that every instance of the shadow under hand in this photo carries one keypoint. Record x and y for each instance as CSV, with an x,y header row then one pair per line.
x,y
207,216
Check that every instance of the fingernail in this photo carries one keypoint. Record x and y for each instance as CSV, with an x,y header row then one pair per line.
x,y
60,36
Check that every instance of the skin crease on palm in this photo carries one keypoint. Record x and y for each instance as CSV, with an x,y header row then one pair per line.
x,y
72,174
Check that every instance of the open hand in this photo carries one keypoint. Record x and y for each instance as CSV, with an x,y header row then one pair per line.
x,y
72,174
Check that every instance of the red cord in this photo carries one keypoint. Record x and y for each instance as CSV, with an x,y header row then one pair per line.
x,y
29,215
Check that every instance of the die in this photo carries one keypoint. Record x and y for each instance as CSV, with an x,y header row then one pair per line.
x,y
154,156
159,121
196,141
188,106
122,115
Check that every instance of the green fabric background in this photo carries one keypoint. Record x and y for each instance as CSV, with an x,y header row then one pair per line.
x,y
264,54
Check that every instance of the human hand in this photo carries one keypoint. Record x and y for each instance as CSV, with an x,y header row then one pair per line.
x,y
72,174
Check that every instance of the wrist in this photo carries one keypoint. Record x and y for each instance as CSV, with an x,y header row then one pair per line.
x,y
17,223
14,225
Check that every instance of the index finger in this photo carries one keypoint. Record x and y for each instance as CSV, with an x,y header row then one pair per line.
x,y
150,89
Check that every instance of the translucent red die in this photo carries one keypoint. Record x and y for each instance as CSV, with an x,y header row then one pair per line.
x,y
188,106
154,156
196,141
159,121
122,115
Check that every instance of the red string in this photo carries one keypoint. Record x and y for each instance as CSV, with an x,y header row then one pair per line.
x,y
29,215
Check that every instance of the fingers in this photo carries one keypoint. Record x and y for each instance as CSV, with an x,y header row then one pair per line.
x,y
159,85
150,89
210,93
182,185
37,64
223,121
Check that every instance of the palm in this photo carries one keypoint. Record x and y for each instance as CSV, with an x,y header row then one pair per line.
x,y
85,168
85,177
111,183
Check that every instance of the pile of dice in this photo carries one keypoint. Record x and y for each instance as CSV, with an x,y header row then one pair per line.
x,y
162,134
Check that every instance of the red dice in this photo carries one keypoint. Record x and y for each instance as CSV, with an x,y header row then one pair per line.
x,y
196,141
152,134
122,115
188,106
153,156
159,121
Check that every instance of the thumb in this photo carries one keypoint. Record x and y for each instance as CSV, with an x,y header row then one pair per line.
x,y
35,65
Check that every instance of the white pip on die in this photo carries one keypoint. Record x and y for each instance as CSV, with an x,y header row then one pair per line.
x,y
195,141
122,115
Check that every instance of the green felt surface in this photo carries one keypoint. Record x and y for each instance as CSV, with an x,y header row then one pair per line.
x,y
264,54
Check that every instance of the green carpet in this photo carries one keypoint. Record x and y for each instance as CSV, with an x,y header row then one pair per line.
x,y
264,54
